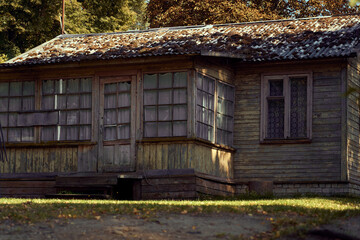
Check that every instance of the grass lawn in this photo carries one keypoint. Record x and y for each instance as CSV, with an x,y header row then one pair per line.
x,y
287,215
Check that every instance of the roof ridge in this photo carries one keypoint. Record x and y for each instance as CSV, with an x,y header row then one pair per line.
x,y
202,26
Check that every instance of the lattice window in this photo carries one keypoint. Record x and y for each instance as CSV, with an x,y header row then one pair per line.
x,y
165,104
117,104
225,114
287,109
16,97
72,100
205,107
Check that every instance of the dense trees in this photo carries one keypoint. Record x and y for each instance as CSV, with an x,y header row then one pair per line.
x,y
27,23
165,13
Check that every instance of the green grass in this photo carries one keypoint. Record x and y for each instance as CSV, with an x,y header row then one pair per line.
x,y
288,215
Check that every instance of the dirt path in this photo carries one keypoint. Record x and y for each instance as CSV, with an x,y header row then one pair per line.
x,y
168,226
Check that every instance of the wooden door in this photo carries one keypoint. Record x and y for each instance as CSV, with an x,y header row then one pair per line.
x,y
117,123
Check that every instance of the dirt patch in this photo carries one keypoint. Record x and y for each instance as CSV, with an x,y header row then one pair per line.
x,y
162,226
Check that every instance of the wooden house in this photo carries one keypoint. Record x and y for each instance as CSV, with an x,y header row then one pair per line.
x,y
174,112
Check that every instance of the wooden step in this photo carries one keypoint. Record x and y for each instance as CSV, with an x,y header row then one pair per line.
x,y
78,196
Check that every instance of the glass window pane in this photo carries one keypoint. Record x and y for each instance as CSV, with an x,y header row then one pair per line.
x,y
47,87
4,104
72,133
110,117
150,97
110,101
221,90
47,102
124,86
86,85
165,97
14,134
123,131
12,119
179,129
180,112
180,96
164,129
298,108
276,87
62,117
205,101
73,85
150,130
150,114
28,103
72,117
85,133
60,86
15,104
205,85
164,113
27,134
4,89
61,102
180,79
150,81
4,119
199,97
110,133
275,128
165,80
73,101
15,88
124,115
110,88
85,101
47,133
61,133
85,117
124,99
29,88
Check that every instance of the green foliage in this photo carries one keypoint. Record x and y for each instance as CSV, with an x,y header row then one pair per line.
x,y
25,24
166,13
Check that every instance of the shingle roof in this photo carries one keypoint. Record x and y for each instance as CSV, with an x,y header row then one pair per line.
x,y
258,41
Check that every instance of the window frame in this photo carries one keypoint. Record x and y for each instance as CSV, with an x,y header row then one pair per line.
x,y
216,98
188,104
265,78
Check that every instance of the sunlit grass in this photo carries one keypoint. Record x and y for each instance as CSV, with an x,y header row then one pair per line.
x,y
288,215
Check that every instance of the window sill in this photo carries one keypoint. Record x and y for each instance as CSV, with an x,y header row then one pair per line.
x,y
49,144
285,141
186,140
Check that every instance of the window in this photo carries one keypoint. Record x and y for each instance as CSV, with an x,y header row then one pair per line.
x,y
16,97
117,103
286,111
225,114
165,104
205,107
207,90
71,99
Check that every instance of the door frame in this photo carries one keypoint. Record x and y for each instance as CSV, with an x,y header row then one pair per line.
x,y
102,167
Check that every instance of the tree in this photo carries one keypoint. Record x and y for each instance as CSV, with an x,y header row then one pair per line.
x,y
166,13
25,24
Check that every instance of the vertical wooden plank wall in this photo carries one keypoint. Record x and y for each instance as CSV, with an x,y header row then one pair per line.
x,y
353,123
204,159
40,160
318,160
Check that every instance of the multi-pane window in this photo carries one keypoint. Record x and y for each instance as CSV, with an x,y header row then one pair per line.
x,y
71,99
165,104
205,107
286,113
117,103
16,97
225,114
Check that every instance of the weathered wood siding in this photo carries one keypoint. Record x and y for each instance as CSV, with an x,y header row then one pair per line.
x,y
26,188
36,160
318,160
353,123
201,158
